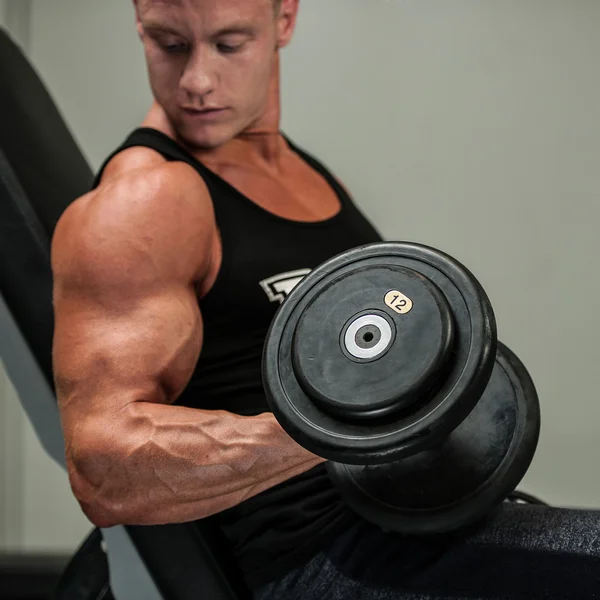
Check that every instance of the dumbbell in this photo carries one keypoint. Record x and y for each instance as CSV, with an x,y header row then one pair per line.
x,y
385,361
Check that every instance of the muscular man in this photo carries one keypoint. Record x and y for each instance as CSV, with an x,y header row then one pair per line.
x,y
167,276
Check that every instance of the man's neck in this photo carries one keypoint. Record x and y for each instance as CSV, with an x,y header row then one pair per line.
x,y
253,148
260,143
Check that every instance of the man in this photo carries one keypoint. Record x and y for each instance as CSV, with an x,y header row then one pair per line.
x,y
167,276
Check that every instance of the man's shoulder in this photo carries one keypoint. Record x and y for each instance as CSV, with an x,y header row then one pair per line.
x,y
141,173
141,198
140,162
129,161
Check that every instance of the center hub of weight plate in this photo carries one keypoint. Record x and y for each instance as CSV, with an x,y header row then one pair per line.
x,y
367,337
356,357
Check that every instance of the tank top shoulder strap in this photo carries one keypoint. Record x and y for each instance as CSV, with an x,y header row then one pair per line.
x,y
155,140
320,168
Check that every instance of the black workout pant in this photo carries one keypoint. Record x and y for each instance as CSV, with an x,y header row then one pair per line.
x,y
523,552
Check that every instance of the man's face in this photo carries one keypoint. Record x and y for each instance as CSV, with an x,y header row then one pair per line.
x,y
210,62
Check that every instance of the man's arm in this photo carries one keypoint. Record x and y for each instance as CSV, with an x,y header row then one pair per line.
x,y
127,261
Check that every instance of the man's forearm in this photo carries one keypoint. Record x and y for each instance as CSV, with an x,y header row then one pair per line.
x,y
175,464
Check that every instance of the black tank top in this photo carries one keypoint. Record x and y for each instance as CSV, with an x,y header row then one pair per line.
x,y
264,256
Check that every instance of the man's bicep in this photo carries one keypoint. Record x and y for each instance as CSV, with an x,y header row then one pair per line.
x,y
106,359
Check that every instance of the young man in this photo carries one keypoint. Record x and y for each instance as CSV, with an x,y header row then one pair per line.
x,y
167,276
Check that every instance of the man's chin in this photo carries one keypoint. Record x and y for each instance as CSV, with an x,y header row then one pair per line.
x,y
206,137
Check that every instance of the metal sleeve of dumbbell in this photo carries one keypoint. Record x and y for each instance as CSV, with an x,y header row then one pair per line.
x,y
385,361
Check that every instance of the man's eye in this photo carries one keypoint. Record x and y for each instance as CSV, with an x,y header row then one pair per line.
x,y
174,48
228,48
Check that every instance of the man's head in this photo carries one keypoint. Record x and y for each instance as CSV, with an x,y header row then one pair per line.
x,y
214,54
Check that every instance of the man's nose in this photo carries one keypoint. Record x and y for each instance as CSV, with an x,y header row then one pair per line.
x,y
199,76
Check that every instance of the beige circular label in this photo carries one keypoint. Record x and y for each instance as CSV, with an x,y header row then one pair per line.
x,y
399,302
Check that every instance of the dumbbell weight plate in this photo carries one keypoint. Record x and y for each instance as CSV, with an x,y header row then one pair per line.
x,y
379,353
460,481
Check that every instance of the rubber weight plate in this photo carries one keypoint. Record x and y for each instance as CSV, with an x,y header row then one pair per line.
x,y
463,479
385,362
379,353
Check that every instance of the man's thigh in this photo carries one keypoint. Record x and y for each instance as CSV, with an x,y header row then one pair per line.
x,y
522,552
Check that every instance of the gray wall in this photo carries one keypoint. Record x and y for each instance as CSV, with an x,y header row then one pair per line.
x,y
15,16
37,511
471,126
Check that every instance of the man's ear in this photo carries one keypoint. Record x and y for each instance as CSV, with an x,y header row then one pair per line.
x,y
138,24
286,22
